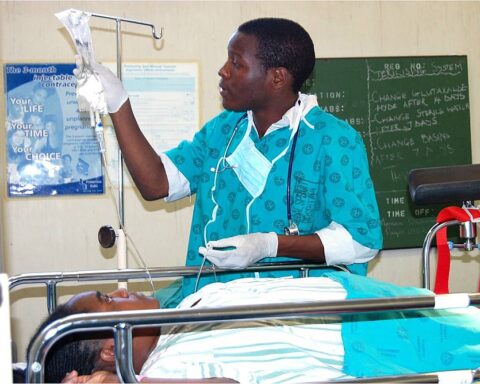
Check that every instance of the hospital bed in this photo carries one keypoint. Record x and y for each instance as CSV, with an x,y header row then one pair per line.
x,y
122,323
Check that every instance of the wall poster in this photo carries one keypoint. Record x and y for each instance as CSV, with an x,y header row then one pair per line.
x,y
164,99
51,148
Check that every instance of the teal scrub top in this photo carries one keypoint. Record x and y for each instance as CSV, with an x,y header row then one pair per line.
x,y
330,181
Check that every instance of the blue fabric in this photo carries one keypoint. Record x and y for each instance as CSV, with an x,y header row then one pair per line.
x,y
330,182
171,295
405,342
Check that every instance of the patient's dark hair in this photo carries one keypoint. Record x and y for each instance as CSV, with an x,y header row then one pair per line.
x,y
77,351
283,43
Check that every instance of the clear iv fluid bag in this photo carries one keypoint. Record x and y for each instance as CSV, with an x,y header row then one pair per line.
x,y
77,26
90,93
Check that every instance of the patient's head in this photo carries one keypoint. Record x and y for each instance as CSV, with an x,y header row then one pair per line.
x,y
86,352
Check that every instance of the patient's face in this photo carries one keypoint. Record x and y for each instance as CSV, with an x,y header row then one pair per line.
x,y
118,300
144,339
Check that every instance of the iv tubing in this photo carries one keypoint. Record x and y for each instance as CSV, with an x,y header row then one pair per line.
x,y
121,248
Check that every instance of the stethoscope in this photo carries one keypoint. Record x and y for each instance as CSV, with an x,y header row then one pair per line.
x,y
222,165
292,228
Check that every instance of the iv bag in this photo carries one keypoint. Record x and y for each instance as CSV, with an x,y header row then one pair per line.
x,y
90,92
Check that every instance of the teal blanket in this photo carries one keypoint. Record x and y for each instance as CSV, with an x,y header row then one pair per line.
x,y
394,343
403,342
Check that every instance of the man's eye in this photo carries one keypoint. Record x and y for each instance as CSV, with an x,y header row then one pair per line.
x,y
108,299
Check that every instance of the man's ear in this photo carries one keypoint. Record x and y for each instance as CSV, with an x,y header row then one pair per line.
x,y
281,77
107,354
106,360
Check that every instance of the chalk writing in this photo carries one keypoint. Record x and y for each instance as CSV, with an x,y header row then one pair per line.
x,y
412,112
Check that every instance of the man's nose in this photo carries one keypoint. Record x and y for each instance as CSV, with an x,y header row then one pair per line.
x,y
121,292
223,72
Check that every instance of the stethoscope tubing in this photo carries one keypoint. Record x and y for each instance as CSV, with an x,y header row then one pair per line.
x,y
291,224
289,176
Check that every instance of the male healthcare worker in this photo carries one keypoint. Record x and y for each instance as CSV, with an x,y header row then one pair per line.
x,y
249,184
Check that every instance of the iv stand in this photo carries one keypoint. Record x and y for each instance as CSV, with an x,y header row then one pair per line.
x,y
121,245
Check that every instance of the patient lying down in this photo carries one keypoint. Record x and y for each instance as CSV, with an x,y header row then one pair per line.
x,y
267,351
254,351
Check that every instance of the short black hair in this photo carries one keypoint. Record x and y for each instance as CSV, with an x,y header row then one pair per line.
x,y
283,43
78,351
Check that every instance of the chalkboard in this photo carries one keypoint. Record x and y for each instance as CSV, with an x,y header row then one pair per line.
x,y
412,112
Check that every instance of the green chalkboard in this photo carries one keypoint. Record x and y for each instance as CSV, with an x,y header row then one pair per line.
x,y
412,112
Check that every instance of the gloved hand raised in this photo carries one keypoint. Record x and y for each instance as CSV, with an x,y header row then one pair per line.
x,y
241,251
98,87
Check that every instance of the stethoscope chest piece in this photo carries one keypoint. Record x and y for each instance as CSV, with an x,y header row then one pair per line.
x,y
292,229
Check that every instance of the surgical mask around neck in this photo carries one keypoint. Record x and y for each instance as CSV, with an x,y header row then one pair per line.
x,y
251,167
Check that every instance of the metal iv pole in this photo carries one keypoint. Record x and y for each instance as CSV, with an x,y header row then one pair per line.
x,y
121,241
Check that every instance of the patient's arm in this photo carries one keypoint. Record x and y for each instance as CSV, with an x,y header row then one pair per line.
x,y
109,377
97,377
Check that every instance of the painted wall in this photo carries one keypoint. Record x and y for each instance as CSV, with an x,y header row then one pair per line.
x,y
60,233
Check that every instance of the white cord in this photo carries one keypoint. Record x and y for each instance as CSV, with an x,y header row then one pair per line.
x,y
137,254
101,142
199,274
99,132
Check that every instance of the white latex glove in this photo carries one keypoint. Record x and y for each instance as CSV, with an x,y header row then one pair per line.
x,y
241,251
102,82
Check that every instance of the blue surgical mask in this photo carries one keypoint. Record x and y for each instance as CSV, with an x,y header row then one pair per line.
x,y
251,167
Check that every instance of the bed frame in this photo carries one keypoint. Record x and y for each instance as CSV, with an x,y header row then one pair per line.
x,y
122,323
52,279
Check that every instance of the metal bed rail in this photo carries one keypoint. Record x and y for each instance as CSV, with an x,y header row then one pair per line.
x,y
427,247
51,279
431,377
122,324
